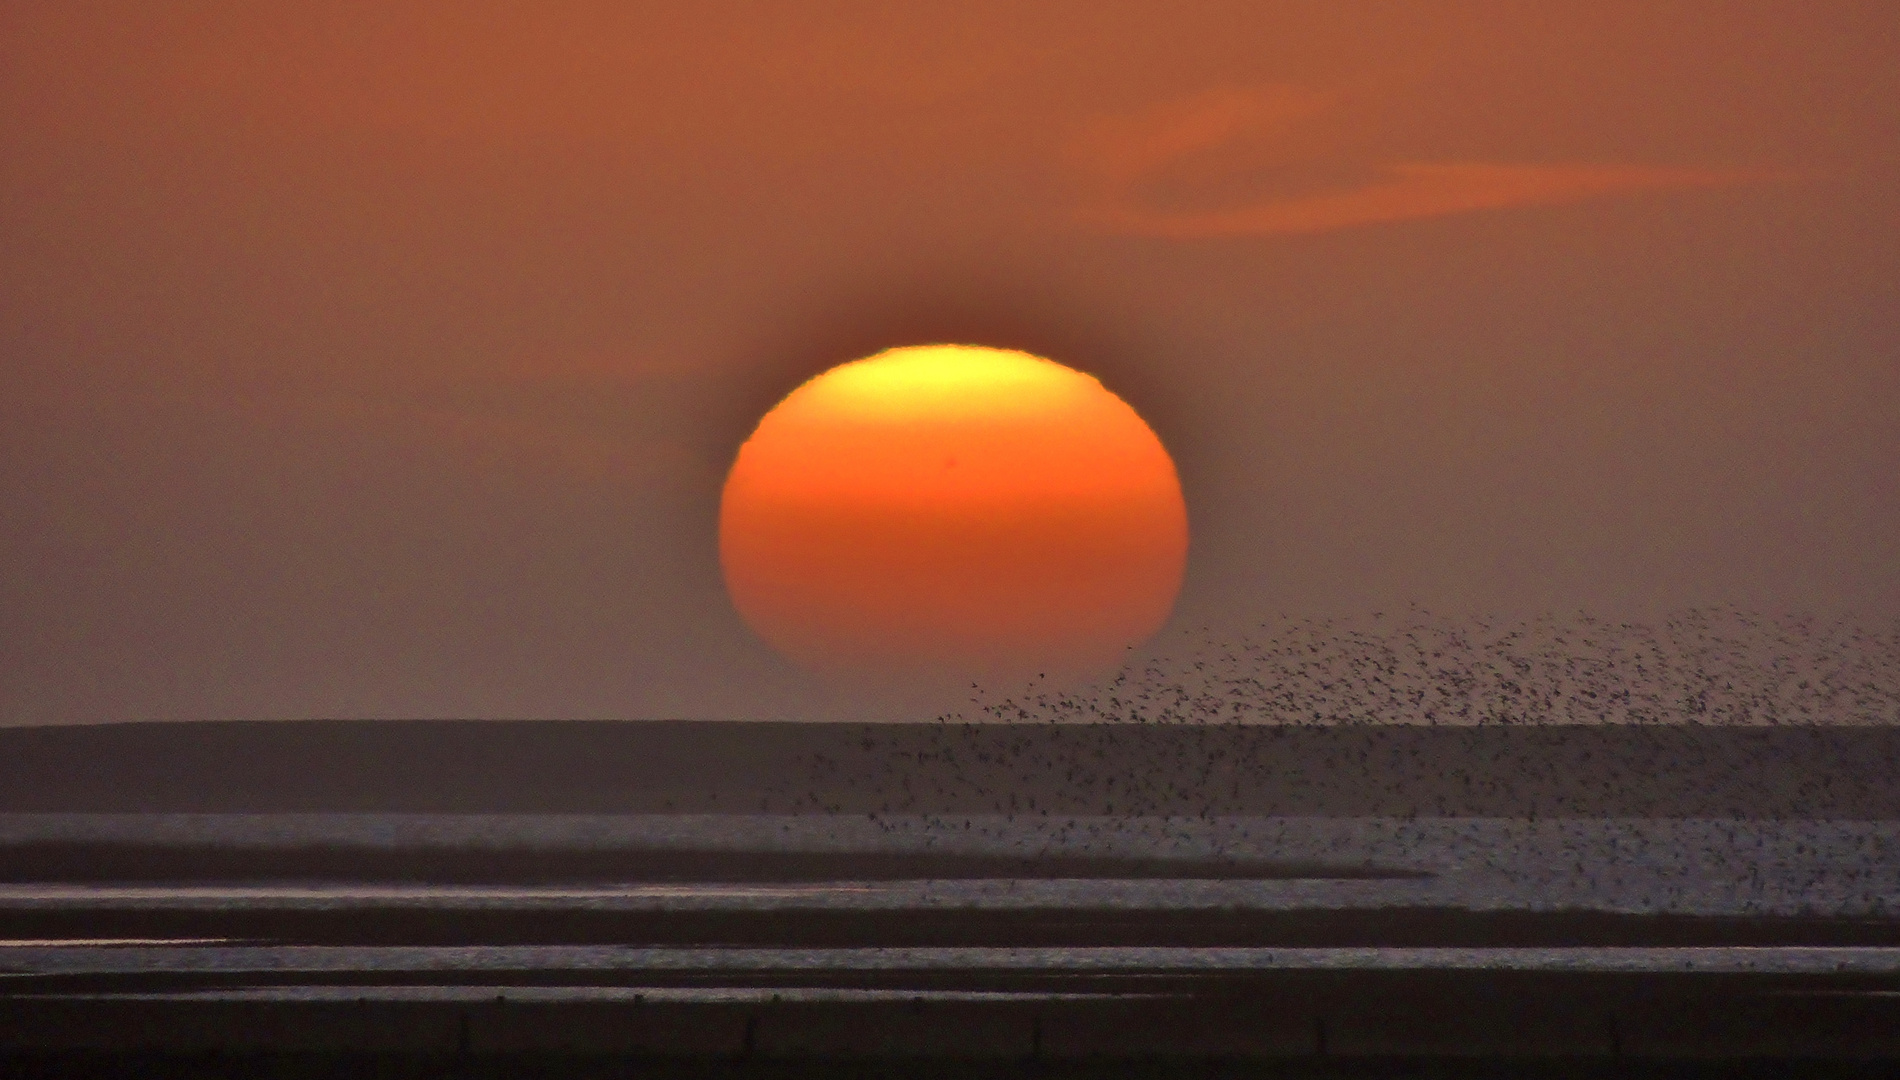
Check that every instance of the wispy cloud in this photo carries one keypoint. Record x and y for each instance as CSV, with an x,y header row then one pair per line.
x,y
1126,159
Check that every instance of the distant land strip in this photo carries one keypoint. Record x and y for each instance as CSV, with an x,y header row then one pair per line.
x,y
634,767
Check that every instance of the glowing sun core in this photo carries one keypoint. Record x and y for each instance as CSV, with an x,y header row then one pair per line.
x,y
955,509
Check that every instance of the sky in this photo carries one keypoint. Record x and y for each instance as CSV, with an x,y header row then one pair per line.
x,y
386,359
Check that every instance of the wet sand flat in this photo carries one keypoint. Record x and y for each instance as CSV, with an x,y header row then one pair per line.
x,y
734,995
1273,1017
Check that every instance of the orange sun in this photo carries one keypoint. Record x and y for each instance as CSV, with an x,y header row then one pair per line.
x,y
953,509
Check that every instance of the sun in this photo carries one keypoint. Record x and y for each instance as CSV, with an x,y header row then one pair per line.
x,y
953,509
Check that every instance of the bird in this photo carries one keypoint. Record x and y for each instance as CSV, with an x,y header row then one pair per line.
x,y
1489,735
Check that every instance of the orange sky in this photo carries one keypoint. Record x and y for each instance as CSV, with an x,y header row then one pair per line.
x,y
386,359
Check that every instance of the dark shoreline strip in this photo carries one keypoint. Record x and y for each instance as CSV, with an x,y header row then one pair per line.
x,y
203,864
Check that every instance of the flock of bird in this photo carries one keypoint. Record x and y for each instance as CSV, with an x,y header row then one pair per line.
x,y
1415,715
1703,666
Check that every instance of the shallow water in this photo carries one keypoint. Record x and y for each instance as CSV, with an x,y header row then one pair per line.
x,y
1632,865
315,959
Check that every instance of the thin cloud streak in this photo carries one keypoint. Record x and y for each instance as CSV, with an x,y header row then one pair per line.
x,y
1128,156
